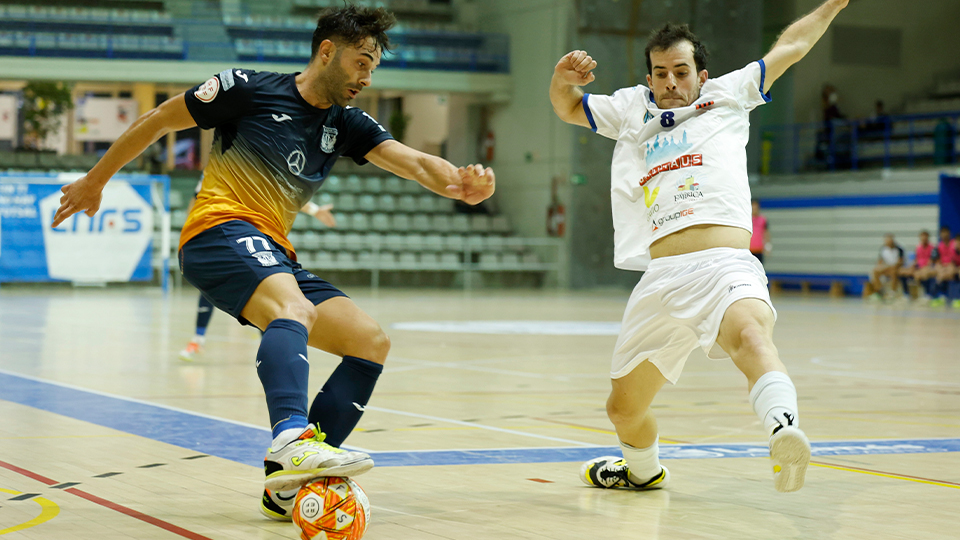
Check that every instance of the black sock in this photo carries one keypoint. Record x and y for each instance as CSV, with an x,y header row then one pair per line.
x,y
204,312
283,369
339,405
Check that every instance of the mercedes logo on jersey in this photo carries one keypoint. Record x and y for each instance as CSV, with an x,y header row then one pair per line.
x,y
296,161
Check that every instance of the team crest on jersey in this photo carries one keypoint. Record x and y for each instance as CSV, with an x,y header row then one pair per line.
x,y
329,139
208,90
266,258
647,117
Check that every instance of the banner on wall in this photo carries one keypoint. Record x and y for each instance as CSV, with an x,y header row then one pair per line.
x,y
113,245
103,119
8,117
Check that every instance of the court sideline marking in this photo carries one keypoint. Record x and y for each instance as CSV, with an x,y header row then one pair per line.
x,y
169,527
244,443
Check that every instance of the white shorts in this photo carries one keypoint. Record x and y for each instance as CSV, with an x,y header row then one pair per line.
x,y
679,304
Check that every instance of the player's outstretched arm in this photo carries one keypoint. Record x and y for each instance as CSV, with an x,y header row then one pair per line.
x,y
84,195
797,40
471,184
323,214
573,71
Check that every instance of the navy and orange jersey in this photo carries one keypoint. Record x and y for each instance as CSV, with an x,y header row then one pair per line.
x,y
271,150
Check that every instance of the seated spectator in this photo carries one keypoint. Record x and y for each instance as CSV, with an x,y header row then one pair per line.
x,y
948,261
888,266
876,126
922,269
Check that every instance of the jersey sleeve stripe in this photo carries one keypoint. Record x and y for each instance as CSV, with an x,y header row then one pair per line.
x,y
586,109
763,77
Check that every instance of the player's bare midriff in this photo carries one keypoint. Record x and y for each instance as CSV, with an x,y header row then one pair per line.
x,y
699,238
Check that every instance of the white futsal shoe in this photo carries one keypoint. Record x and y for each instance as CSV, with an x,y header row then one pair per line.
x,y
307,458
790,454
278,506
613,472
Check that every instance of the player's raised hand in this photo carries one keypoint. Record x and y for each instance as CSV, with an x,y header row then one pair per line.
x,y
84,195
324,214
476,184
576,68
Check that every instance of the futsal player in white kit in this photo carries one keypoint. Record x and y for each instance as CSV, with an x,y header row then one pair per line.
x,y
681,212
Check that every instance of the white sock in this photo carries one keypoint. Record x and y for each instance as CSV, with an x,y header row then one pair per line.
x,y
774,399
285,437
199,340
644,462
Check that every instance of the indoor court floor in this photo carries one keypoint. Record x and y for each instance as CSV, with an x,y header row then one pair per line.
x,y
489,403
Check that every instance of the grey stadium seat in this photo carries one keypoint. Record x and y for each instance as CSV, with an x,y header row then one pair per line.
x,y
433,242
332,241
394,185
480,223
400,222
359,222
367,203
346,202
353,184
441,223
420,222
373,184
380,222
333,184
425,203
387,203
453,242
407,203
460,223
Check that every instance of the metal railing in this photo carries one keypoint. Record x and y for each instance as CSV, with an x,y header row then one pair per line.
x,y
906,140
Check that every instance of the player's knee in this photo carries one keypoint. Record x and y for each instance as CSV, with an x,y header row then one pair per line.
x,y
622,411
302,311
379,344
754,341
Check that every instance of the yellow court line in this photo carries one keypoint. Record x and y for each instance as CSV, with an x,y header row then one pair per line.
x,y
886,475
49,510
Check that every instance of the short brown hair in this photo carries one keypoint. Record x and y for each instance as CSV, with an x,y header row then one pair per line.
x,y
352,24
671,34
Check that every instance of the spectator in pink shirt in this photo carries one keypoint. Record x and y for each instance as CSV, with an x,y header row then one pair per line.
x,y
760,241
947,287
922,269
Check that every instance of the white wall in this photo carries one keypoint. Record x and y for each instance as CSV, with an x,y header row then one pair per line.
x,y
428,126
532,144
929,46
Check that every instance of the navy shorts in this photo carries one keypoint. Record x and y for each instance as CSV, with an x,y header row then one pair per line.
x,y
228,262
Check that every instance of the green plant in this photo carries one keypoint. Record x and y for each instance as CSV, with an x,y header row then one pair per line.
x,y
398,124
44,104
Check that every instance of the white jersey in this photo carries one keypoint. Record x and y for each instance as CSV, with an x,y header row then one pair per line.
x,y
675,168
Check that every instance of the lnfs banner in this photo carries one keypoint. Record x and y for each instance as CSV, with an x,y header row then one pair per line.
x,y
113,245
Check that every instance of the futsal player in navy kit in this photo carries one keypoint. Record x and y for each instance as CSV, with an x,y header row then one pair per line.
x,y
277,137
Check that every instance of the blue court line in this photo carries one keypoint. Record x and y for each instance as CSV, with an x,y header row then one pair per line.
x,y
245,444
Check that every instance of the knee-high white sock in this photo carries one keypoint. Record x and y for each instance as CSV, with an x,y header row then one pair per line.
x,y
774,399
644,462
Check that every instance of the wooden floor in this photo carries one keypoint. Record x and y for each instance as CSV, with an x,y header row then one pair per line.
x,y
478,428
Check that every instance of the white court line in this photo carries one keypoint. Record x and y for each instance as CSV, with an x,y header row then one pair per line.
x,y
151,404
861,375
473,366
479,426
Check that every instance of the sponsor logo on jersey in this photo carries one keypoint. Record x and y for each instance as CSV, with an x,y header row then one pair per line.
x,y
649,197
682,162
647,117
732,287
689,189
657,223
281,117
208,90
296,161
243,76
329,139
226,79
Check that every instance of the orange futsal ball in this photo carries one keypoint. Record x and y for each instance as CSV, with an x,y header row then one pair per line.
x,y
331,508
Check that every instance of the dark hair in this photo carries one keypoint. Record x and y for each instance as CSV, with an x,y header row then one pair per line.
x,y
669,35
351,25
